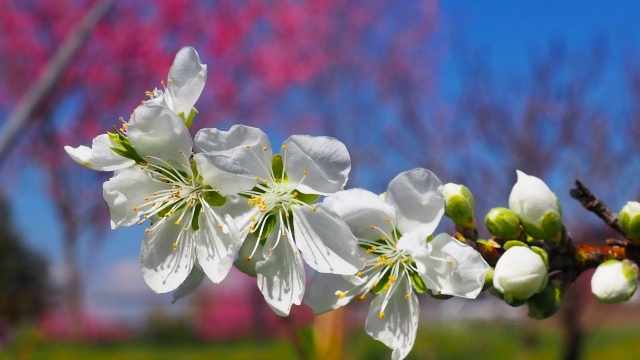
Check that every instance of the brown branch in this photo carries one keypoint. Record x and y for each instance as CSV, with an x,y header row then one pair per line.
x,y
50,75
596,206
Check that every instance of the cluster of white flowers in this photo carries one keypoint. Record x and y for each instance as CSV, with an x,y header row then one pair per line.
x,y
225,198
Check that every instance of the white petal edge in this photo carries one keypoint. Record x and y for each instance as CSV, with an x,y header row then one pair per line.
x,y
157,131
187,78
360,209
325,161
164,267
325,241
281,277
215,243
398,328
100,156
190,284
326,292
417,197
247,145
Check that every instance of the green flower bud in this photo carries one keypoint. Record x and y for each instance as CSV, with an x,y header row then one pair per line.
x,y
459,205
614,281
520,273
629,220
537,207
545,303
503,223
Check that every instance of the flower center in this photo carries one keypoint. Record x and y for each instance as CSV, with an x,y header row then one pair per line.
x,y
177,196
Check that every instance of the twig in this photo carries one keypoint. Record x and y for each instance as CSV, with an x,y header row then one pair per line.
x,y
595,205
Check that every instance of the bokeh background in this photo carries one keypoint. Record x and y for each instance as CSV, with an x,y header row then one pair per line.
x,y
470,90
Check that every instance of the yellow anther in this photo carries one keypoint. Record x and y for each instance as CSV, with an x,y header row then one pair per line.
x,y
153,203
295,193
265,181
389,263
381,316
161,82
368,251
439,292
359,273
340,294
375,266
217,190
450,262
388,220
286,215
121,118
283,235
202,211
313,208
404,261
257,177
373,248
185,229
143,102
372,227
147,230
361,297
264,148
305,173
393,245
220,226
177,222
169,80
140,222
270,249
374,285
148,156
248,259
284,147
248,146
384,238
175,245
392,278
146,198
135,208
406,296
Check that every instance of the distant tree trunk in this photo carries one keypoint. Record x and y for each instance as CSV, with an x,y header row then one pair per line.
x,y
573,333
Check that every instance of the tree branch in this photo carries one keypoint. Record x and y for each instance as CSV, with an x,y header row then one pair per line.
x,y
596,206
50,75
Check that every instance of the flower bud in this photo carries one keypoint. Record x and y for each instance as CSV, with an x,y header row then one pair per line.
x,y
537,207
503,223
520,273
614,281
629,220
459,205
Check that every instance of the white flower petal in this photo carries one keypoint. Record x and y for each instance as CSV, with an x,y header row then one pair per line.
x,y
126,190
187,75
190,284
223,173
164,267
327,292
467,277
281,274
325,160
325,241
417,197
159,132
99,156
215,246
397,329
247,145
360,209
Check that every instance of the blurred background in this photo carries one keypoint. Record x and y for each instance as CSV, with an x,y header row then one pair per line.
x,y
470,90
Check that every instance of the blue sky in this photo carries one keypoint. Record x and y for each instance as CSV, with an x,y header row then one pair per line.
x,y
506,32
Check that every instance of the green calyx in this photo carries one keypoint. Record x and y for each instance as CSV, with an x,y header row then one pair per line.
x,y
550,228
188,121
503,223
124,147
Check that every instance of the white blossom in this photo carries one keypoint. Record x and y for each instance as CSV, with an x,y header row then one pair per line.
x,y
520,272
614,281
283,227
393,234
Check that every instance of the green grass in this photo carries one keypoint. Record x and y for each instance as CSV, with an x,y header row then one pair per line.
x,y
530,340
